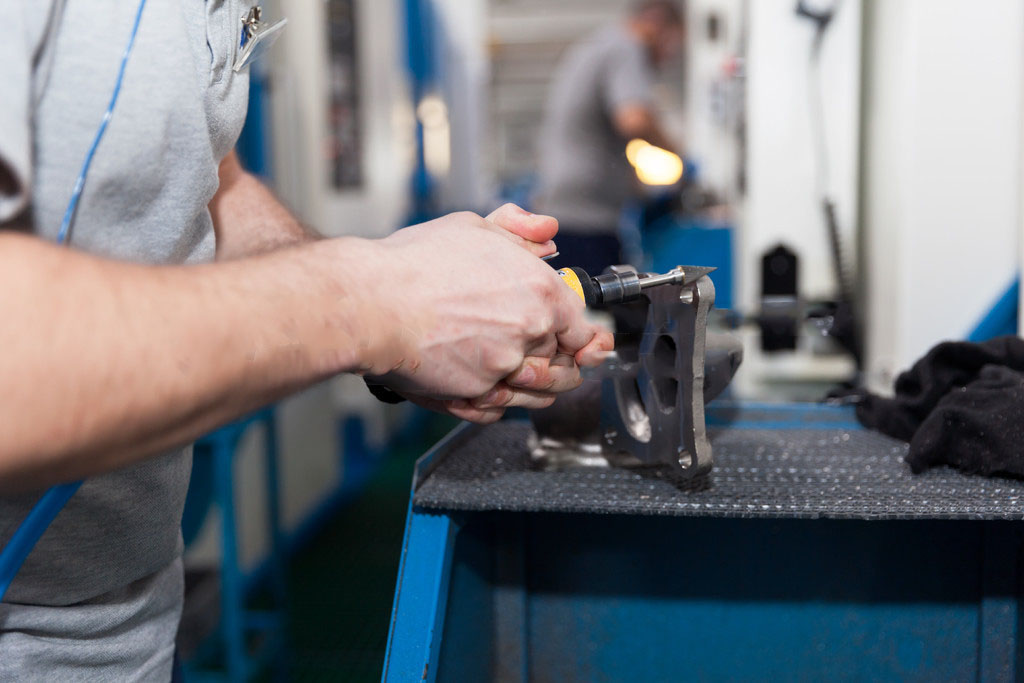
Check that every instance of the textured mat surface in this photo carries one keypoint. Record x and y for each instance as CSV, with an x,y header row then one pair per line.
x,y
764,467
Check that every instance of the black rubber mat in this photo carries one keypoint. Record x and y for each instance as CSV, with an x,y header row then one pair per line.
x,y
826,471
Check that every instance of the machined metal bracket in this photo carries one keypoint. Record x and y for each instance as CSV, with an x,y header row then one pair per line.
x,y
646,406
652,408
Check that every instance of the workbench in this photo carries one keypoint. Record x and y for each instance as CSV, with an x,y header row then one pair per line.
x,y
810,553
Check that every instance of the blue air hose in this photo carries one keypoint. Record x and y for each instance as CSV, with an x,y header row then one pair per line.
x,y
26,536
49,506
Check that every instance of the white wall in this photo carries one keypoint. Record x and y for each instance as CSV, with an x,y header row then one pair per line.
x,y
299,119
942,187
783,201
714,101
467,69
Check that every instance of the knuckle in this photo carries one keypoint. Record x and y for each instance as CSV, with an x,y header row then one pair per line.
x,y
510,363
546,381
541,286
478,388
567,382
474,416
468,217
500,397
471,384
481,415
540,326
503,363
521,376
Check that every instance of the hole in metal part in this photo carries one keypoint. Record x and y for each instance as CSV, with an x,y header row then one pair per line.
x,y
665,353
627,346
632,410
666,386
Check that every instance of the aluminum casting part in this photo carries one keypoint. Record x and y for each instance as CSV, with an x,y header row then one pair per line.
x,y
556,455
723,355
645,404
568,434
658,416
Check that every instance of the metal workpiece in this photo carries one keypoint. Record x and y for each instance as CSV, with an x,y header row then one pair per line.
x,y
658,416
645,405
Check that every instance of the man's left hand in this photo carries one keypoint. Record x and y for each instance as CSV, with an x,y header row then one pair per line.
x,y
540,377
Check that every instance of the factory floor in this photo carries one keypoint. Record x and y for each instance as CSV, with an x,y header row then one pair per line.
x,y
341,586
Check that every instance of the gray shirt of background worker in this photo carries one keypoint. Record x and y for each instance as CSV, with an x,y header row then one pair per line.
x,y
602,96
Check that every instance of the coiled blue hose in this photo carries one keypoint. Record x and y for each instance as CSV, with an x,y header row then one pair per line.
x,y
49,506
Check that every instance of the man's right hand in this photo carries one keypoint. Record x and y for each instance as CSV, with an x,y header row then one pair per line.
x,y
446,311
477,322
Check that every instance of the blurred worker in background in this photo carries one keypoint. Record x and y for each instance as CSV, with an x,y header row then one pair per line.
x,y
119,351
601,98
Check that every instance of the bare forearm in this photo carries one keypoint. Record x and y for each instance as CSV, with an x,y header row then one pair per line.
x,y
248,218
105,363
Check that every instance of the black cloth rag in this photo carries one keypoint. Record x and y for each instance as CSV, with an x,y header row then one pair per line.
x,y
961,405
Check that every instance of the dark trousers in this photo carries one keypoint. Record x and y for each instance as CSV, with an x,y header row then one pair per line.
x,y
591,252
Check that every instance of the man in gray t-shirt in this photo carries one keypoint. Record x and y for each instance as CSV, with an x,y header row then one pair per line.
x,y
117,352
602,97
114,550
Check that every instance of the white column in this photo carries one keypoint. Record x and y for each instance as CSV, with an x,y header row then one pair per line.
x,y
942,191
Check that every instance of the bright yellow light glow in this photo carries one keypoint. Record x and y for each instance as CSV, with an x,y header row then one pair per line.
x,y
633,148
654,165
432,112
437,153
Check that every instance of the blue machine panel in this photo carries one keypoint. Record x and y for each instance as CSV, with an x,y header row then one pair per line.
x,y
669,243
545,596
554,597
424,577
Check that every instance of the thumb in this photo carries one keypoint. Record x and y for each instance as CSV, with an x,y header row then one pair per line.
x,y
531,227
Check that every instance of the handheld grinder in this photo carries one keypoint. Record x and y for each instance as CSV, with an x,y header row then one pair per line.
x,y
618,287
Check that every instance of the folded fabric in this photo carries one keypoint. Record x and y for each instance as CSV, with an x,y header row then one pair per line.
x,y
962,405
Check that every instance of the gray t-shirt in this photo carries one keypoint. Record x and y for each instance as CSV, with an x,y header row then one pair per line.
x,y
585,179
112,554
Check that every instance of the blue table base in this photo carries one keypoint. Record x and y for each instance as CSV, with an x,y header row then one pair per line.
x,y
517,596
